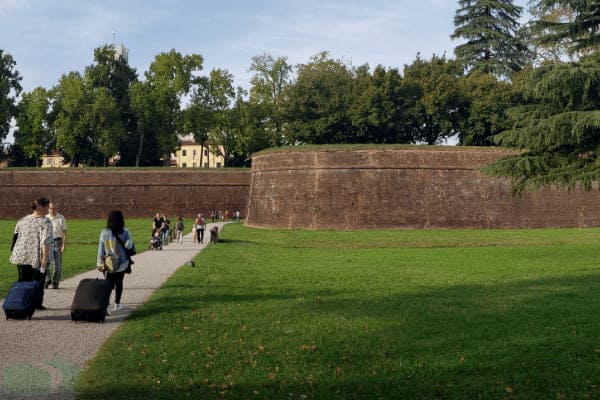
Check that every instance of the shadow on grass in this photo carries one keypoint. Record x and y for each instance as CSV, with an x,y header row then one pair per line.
x,y
534,339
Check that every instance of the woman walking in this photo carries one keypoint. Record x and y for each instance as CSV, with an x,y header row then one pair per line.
x,y
31,245
115,240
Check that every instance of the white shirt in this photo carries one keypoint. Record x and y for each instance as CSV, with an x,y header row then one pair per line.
x,y
59,225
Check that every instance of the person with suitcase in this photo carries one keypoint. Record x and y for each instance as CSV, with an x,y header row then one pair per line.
x,y
115,244
32,241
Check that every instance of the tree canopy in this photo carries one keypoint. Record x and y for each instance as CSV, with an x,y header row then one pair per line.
x,y
10,88
490,28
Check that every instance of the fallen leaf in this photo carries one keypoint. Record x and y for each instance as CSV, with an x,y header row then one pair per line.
x,y
508,390
339,372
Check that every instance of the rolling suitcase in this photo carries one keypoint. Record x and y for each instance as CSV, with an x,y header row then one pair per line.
x,y
91,300
22,299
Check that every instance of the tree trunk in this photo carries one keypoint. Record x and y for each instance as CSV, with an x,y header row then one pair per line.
x,y
201,153
141,144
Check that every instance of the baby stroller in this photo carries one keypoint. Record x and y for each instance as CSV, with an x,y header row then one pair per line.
x,y
155,241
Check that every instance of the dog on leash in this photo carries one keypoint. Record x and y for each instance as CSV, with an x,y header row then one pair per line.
x,y
214,234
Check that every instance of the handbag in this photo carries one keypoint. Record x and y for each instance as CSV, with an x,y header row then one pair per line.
x,y
110,263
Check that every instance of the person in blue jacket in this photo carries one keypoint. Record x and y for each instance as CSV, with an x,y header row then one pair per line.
x,y
109,246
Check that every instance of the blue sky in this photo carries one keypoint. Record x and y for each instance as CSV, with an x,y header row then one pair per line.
x,y
48,38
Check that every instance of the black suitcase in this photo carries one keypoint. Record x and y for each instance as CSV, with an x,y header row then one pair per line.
x,y
22,299
91,300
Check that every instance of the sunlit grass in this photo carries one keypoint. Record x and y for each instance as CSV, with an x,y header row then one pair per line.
x,y
272,314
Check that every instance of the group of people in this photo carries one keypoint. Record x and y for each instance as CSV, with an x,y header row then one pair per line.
x,y
39,242
162,234
225,215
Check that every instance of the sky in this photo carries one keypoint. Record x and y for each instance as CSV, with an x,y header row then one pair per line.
x,y
48,38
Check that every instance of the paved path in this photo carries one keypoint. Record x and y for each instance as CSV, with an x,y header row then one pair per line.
x,y
40,358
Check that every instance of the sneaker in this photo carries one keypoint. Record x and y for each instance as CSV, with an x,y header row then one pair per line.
x,y
107,310
117,307
47,285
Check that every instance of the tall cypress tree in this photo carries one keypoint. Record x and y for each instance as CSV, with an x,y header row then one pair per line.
x,y
577,26
557,128
491,30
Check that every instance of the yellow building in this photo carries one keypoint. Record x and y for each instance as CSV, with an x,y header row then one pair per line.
x,y
194,155
53,160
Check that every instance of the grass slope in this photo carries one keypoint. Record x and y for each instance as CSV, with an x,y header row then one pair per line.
x,y
270,314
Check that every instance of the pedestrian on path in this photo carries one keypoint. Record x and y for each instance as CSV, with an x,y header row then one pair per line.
x,y
31,245
59,233
116,240
200,227
179,228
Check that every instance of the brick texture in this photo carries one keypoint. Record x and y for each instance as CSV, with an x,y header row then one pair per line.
x,y
416,187
139,194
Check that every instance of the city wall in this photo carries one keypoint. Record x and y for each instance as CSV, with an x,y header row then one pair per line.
x,y
378,187
404,187
84,193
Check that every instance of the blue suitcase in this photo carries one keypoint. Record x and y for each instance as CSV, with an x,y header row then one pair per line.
x,y
22,300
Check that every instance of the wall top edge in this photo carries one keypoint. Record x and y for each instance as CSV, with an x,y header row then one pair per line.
x,y
417,157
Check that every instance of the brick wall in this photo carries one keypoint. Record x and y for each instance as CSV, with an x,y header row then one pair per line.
x,y
139,194
413,187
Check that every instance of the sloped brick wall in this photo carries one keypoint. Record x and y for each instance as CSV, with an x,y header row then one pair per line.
x,y
139,194
413,187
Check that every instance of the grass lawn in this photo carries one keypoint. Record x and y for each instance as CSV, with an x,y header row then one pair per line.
x,y
271,314
82,245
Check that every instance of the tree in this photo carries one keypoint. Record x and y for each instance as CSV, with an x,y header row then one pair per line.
x,y
381,109
557,130
488,100
71,107
112,71
10,89
317,107
142,105
106,124
208,108
157,102
573,25
440,104
88,125
490,28
34,134
536,31
271,78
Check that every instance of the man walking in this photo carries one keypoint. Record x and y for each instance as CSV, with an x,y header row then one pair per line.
x,y
59,231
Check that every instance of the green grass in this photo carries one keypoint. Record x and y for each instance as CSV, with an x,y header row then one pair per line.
x,y
81,249
271,314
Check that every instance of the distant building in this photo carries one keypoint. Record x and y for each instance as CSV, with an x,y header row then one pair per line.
x,y
194,155
121,51
52,160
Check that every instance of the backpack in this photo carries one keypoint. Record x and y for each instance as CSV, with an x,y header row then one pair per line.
x,y
179,226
